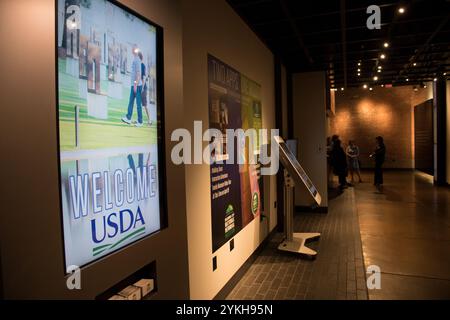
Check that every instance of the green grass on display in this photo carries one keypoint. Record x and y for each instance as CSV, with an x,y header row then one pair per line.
x,y
97,133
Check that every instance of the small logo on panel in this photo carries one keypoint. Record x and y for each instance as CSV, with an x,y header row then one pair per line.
x,y
229,221
255,203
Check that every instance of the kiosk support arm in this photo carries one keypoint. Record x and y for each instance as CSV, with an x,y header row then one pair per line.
x,y
294,242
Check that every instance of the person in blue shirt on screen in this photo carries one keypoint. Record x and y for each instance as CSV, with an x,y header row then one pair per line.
x,y
136,89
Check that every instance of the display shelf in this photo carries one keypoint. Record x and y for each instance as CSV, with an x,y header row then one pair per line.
x,y
147,272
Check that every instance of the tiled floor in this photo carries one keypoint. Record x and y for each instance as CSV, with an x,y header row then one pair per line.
x,y
405,231
337,273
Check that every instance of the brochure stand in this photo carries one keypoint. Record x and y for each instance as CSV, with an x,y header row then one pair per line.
x,y
294,173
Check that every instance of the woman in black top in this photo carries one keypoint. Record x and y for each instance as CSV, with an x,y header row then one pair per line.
x,y
339,163
380,156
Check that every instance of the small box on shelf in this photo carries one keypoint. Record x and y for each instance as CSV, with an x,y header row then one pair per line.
x,y
146,286
131,293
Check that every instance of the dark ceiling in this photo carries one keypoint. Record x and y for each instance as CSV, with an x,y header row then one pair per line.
x,y
333,36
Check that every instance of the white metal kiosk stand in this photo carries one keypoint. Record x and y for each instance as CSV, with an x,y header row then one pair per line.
x,y
294,242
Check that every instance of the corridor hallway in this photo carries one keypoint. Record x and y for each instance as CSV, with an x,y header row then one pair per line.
x,y
406,232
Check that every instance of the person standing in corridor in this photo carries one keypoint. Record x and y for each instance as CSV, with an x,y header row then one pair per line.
x,y
353,160
339,163
379,155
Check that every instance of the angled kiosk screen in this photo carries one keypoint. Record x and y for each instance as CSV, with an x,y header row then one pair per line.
x,y
291,164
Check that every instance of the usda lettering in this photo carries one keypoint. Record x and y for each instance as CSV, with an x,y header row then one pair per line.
x,y
102,192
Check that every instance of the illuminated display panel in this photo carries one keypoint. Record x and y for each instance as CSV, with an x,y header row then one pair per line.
x,y
109,100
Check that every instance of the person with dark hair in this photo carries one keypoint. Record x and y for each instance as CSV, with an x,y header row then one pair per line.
x,y
334,138
353,160
330,145
339,163
329,167
379,155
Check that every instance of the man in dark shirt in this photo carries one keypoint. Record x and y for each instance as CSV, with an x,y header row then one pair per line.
x,y
379,156
338,160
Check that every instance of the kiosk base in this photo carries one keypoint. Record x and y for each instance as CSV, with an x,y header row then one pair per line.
x,y
298,244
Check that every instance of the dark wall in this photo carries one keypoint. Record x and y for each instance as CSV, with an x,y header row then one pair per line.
x,y
423,133
1,281
30,218
440,107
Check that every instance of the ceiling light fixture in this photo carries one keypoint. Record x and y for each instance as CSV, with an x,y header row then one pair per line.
x,y
365,86
371,89
401,10
386,45
414,64
383,56
375,78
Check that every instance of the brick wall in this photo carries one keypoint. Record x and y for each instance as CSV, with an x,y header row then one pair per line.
x,y
362,115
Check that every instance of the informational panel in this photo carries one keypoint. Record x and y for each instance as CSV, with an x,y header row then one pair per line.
x,y
423,135
110,155
234,103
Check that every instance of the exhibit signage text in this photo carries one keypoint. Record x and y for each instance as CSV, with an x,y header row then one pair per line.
x,y
189,150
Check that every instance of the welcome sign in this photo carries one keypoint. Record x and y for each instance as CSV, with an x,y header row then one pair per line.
x,y
110,158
